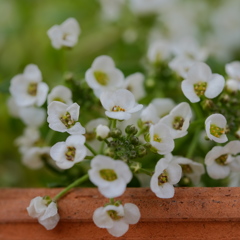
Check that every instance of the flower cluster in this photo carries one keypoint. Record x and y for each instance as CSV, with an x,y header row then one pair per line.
x,y
128,124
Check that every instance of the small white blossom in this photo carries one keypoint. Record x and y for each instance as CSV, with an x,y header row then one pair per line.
x,y
67,153
158,52
32,116
166,174
233,70
103,76
190,169
149,115
220,160
111,176
134,83
119,104
64,35
28,139
102,131
45,212
61,94
161,139
232,85
63,118
28,89
32,157
116,218
201,82
178,120
215,126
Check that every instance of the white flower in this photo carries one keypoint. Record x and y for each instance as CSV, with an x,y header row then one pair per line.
x,y
149,115
116,219
158,52
190,169
61,94
178,120
64,35
167,173
215,126
32,116
220,160
28,89
45,211
103,75
119,104
32,157
102,131
63,118
201,82
28,139
233,70
232,85
134,83
163,106
67,153
160,138
111,176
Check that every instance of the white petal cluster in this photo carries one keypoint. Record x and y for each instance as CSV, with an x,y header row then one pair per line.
x,y
166,174
61,94
190,169
64,35
201,82
67,153
47,214
32,157
178,120
119,104
111,176
27,89
221,160
233,71
161,139
149,115
116,219
134,83
103,75
63,118
215,126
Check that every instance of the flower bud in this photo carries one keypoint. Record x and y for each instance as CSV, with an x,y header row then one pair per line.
x,y
134,140
141,151
102,132
131,129
115,133
135,166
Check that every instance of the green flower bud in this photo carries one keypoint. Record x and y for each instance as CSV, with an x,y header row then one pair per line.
x,y
141,151
115,133
134,140
131,129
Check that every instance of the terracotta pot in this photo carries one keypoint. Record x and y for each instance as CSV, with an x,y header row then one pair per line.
x,y
193,213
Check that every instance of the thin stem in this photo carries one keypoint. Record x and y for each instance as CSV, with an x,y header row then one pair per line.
x,y
148,172
141,131
193,144
114,123
69,187
102,147
90,149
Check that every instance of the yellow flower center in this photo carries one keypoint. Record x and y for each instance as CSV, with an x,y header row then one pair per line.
x,y
162,178
178,123
101,77
108,174
118,109
156,138
114,215
67,120
32,89
200,88
70,153
186,168
222,159
216,131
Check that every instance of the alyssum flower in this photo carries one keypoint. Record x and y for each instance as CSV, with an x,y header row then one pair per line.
x,y
119,104
103,75
166,174
215,126
64,35
111,176
60,93
28,89
67,153
45,210
116,217
220,160
63,118
201,82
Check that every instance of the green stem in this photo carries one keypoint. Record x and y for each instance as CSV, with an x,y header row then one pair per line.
x,y
102,147
141,131
72,185
113,123
90,149
148,172
193,144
